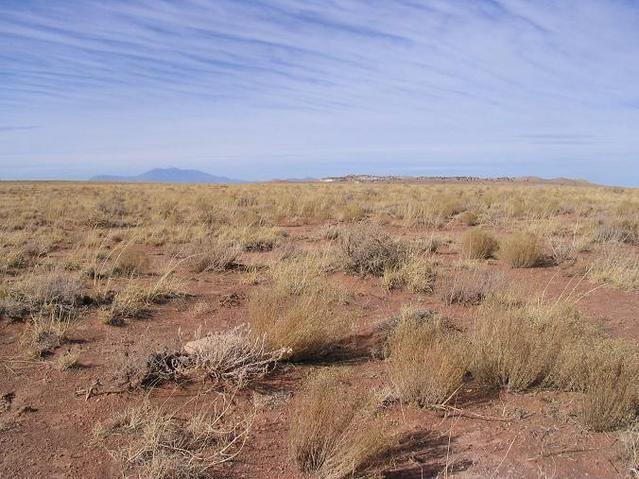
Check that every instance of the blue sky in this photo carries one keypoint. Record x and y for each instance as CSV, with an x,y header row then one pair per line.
x,y
281,88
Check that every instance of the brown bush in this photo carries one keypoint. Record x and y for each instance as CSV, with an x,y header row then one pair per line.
x,y
213,255
334,432
368,249
470,287
427,360
521,250
305,323
417,274
132,259
477,243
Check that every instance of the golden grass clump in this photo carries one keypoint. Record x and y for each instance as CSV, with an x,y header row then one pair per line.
x,y
477,243
611,397
416,273
516,346
306,324
367,249
334,432
521,250
427,359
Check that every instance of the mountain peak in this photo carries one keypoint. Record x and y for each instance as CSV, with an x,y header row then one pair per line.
x,y
167,175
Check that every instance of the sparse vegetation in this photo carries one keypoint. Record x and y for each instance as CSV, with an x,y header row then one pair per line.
x,y
273,282
521,250
427,359
334,432
477,243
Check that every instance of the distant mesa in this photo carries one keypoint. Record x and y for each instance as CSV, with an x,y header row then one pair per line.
x,y
167,175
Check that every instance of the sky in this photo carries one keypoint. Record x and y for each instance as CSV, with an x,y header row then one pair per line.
x,y
309,88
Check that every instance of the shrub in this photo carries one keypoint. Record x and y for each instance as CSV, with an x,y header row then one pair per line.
x,y
521,250
427,360
470,287
415,273
132,259
233,356
333,432
368,249
151,443
617,267
214,255
44,293
517,346
45,333
477,243
306,323
468,218
620,230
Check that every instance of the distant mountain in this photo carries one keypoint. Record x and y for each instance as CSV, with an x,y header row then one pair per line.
x,y
167,175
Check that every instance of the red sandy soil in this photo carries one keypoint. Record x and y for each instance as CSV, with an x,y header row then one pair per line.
x,y
500,435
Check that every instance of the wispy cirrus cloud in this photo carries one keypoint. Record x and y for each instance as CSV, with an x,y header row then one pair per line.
x,y
296,77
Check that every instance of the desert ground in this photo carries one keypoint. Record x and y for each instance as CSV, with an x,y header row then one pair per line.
x,y
319,330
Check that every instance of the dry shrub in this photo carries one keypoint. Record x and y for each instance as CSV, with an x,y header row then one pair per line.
x,y
44,293
305,323
630,441
611,393
521,250
617,267
368,249
469,218
334,433
68,360
303,273
233,356
416,274
256,238
134,300
427,359
470,287
477,243
45,333
562,250
213,255
153,444
517,346
132,259
622,230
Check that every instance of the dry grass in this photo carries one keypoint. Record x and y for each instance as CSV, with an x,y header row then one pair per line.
x,y
130,260
367,249
43,293
630,441
213,255
334,432
470,287
521,250
150,443
233,356
306,324
427,360
616,267
416,274
477,243
45,333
